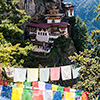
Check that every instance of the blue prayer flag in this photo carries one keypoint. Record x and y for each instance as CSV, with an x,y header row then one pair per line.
x,y
6,92
57,95
48,86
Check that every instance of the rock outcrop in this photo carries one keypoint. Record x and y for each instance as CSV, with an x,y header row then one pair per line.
x,y
34,6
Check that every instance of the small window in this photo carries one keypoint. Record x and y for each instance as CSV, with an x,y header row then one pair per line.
x,y
38,33
45,34
71,12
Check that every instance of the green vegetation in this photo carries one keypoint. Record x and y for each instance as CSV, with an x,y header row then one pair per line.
x,y
12,18
79,33
9,54
89,61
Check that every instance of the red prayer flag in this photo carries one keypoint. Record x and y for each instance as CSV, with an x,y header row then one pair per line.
x,y
55,73
66,89
35,84
4,83
37,94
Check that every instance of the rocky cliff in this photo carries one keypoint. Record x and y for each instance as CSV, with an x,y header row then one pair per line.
x,y
34,6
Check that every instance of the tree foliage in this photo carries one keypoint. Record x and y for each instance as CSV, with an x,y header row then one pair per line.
x,y
89,61
10,56
12,18
90,71
79,33
61,44
97,9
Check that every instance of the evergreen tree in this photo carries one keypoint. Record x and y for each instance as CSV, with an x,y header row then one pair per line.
x,y
11,18
79,33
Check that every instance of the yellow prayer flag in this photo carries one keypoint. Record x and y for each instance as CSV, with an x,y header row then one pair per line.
x,y
16,93
54,87
70,96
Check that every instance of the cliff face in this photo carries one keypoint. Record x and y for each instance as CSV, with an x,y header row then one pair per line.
x,y
34,6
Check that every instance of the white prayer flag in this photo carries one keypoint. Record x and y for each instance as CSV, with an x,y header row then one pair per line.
x,y
44,74
66,72
75,72
41,85
32,74
9,71
19,74
47,95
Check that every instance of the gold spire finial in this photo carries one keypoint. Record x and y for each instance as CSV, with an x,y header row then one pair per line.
x,y
54,7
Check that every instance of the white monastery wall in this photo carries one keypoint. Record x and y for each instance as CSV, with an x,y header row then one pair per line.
x,y
42,36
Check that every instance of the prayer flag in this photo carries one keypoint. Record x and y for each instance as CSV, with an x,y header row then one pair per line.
x,y
41,85
66,89
72,90
4,83
27,94
35,85
6,92
4,98
66,72
78,93
27,84
9,71
54,87
75,72
19,74
16,93
55,73
44,74
70,96
37,94
61,88
48,86
57,95
47,95
64,95
32,74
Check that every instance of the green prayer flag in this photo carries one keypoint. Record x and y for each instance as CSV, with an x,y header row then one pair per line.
x,y
78,94
27,84
27,94
61,88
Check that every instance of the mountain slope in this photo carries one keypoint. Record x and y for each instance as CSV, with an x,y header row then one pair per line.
x,y
84,8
